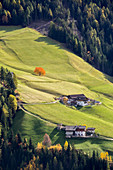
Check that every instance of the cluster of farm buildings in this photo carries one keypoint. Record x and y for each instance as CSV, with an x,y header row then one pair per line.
x,y
77,131
77,100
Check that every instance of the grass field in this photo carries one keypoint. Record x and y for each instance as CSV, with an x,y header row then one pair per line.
x,y
29,126
21,50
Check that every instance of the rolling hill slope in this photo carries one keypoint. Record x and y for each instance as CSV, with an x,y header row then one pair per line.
x,y
22,49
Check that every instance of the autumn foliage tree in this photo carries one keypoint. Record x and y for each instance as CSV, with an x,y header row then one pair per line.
x,y
105,155
65,145
39,71
47,140
12,102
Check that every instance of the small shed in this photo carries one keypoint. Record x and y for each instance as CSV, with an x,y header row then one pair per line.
x,y
59,126
90,131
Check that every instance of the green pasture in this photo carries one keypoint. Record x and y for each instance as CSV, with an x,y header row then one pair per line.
x,y
29,126
91,116
23,49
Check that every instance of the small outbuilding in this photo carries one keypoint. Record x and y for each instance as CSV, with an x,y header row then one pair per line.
x,y
90,131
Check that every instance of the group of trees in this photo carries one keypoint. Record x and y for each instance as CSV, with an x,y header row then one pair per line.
x,y
8,102
18,154
66,159
87,29
15,153
96,26
8,79
25,11
85,26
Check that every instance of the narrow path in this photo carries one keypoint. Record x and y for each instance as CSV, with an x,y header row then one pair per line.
x,y
39,103
106,138
36,116
47,121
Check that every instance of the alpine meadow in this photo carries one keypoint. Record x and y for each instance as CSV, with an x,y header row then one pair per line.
x,y
23,49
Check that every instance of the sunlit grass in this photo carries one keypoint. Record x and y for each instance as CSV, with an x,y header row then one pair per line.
x,y
21,50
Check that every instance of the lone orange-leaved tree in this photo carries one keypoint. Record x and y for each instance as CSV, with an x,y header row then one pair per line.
x,y
39,71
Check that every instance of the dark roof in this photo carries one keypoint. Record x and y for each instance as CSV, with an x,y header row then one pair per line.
x,y
70,128
74,128
80,127
78,97
82,99
90,128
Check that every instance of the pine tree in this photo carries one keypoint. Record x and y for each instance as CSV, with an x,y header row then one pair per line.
x,y
55,162
50,14
30,144
11,137
47,167
10,118
2,100
60,166
19,138
2,73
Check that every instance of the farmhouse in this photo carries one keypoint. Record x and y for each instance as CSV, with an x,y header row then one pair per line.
x,y
77,100
76,131
90,131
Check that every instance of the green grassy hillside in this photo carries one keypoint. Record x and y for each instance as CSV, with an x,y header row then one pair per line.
x,y
21,50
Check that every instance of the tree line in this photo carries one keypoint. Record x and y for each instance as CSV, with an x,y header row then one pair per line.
x,y
16,153
23,12
86,26
87,29
20,154
8,102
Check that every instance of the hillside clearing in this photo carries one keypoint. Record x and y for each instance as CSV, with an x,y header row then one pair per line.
x,y
23,49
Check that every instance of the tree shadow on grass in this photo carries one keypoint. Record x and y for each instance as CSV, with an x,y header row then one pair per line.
x,y
110,78
79,107
61,138
29,127
96,141
53,133
9,28
17,121
49,41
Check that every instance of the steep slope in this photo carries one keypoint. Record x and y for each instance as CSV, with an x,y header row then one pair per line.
x,y
22,49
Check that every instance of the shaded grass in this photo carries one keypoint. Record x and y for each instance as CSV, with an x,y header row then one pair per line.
x,y
92,117
29,126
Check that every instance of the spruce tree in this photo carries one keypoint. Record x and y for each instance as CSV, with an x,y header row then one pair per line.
x,y
19,138
2,73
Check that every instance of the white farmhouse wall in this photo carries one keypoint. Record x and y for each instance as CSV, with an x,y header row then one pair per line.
x,y
82,103
69,133
80,133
